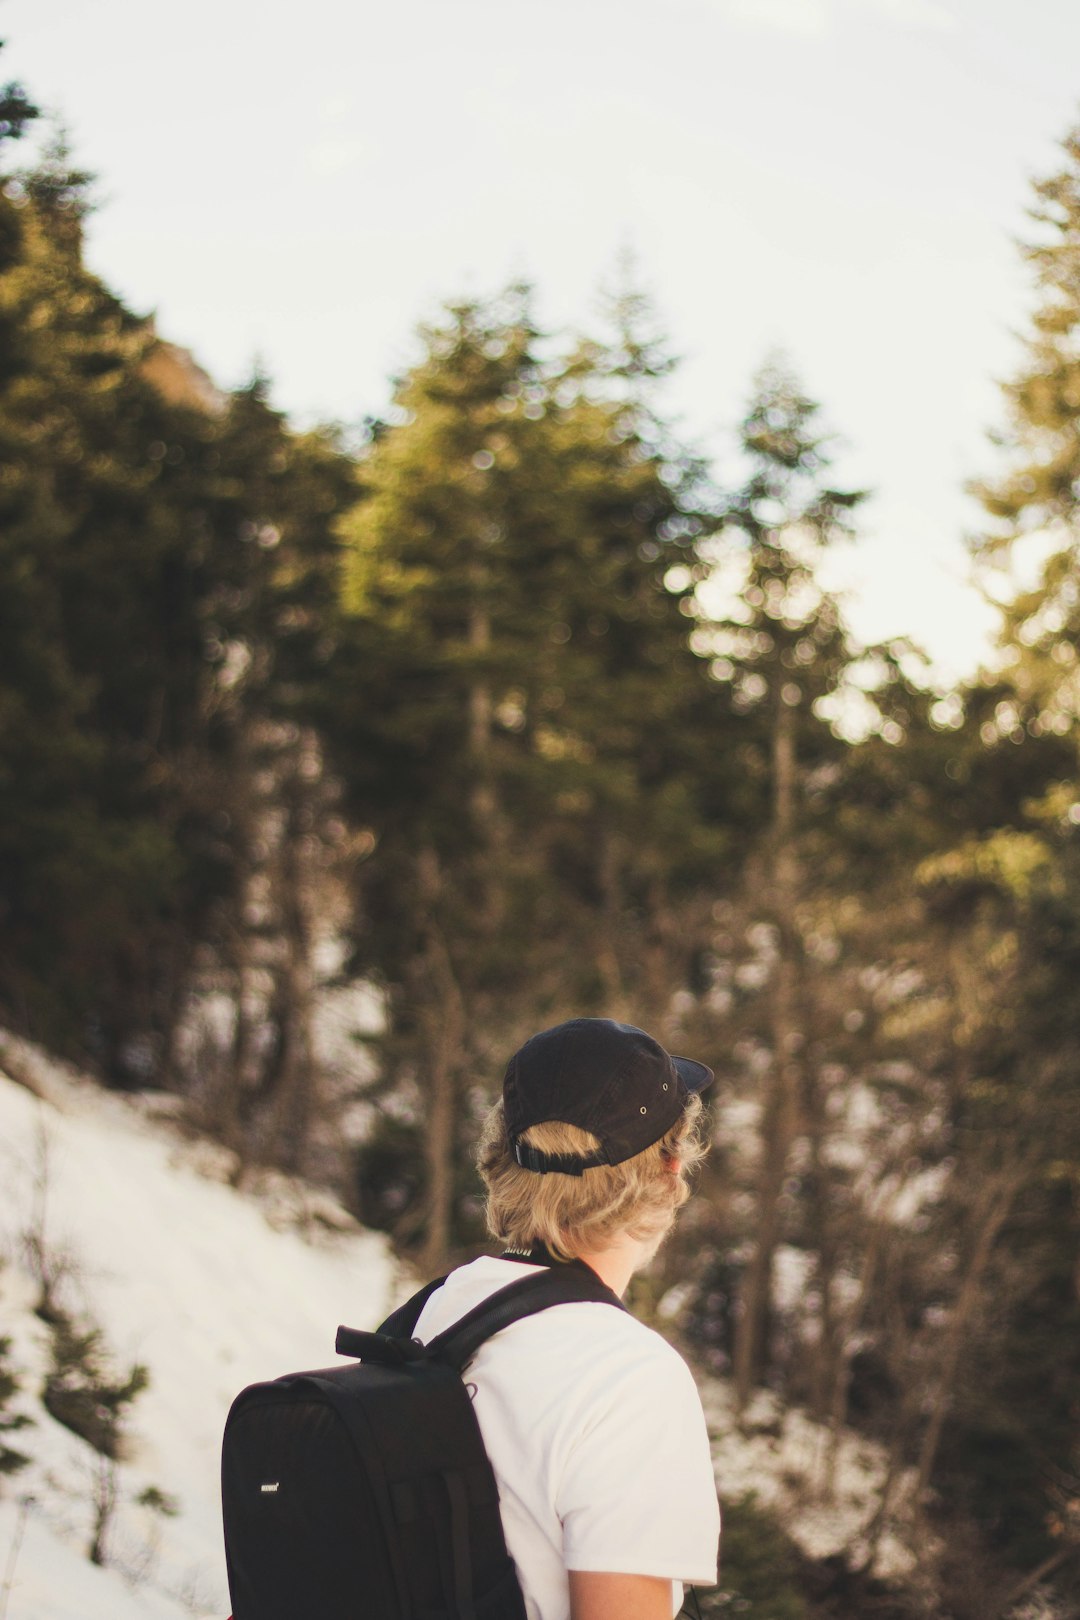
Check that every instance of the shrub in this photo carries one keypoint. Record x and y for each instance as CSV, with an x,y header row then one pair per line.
x,y
82,1394
758,1569
10,1459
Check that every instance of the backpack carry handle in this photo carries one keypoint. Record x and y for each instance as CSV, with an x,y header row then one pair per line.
x,y
378,1347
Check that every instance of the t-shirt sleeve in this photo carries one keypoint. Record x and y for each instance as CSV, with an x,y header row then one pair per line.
x,y
637,1494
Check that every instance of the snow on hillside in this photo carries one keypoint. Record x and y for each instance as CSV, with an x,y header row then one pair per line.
x,y
823,1488
209,1288
213,1289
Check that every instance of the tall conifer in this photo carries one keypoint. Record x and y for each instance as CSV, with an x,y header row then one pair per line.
x,y
1017,1121
518,702
784,651
99,563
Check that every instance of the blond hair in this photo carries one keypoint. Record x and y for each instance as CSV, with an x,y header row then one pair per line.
x,y
573,1215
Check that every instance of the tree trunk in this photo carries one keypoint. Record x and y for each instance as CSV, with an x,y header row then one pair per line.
x,y
442,1020
482,796
841,1367
234,1086
827,1352
751,1329
484,807
295,1102
660,973
104,1502
609,873
780,1121
992,1212
896,1340
1049,1565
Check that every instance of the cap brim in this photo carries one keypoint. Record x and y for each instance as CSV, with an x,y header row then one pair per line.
x,y
694,1076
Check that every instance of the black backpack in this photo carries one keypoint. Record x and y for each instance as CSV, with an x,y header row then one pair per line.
x,y
364,1492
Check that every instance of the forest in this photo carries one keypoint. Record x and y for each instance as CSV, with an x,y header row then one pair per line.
x,y
507,707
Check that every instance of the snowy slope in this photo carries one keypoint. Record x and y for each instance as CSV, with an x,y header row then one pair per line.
x,y
213,1289
208,1288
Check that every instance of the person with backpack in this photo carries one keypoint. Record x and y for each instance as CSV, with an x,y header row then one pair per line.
x,y
511,1444
591,1420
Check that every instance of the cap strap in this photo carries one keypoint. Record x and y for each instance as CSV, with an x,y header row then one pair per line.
x,y
564,1164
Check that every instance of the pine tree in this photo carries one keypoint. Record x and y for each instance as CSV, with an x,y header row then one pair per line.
x,y
782,654
515,693
167,574
1039,492
258,781
650,809
1007,899
440,554
100,647
17,111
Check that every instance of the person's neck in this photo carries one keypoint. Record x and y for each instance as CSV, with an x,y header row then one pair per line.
x,y
617,1263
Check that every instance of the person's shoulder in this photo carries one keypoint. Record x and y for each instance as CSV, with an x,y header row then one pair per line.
x,y
599,1335
640,1344
466,1287
585,1335
625,1326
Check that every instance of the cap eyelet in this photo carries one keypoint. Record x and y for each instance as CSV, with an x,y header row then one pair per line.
x,y
665,1085
644,1110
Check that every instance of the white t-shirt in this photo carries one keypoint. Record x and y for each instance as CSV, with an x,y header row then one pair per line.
x,y
595,1432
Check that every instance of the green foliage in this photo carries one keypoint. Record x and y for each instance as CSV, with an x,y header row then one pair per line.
x,y
158,1501
509,542
1013,897
758,1568
572,780
784,646
99,664
166,573
58,192
513,704
17,111
1040,483
389,1174
1018,1119
1039,489
10,1423
84,1393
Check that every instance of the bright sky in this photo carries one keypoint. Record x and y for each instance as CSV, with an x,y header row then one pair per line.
x,y
842,178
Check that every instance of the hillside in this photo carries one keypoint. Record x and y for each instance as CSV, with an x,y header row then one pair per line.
x,y
209,1288
212,1288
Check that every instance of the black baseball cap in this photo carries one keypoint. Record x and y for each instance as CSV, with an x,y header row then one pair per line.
x,y
608,1078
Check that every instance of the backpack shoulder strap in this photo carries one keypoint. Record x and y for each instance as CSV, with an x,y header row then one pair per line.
x,y
400,1323
557,1285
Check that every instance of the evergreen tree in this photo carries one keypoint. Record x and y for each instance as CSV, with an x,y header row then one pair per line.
x,y
783,652
1038,489
99,642
257,778
429,708
1007,897
653,810
514,690
17,111
167,577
